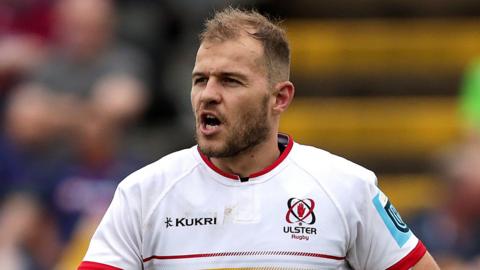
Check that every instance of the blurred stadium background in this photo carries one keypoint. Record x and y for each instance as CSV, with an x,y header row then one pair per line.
x,y
391,85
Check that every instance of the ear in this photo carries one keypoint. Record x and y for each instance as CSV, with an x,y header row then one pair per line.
x,y
283,96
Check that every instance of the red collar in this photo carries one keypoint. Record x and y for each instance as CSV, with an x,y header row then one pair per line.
x,y
286,140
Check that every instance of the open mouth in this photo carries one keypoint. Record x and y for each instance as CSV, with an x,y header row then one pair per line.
x,y
210,122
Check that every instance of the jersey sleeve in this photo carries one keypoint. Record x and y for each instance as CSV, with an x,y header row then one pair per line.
x,y
381,239
117,240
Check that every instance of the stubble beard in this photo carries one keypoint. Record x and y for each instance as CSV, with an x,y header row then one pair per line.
x,y
251,130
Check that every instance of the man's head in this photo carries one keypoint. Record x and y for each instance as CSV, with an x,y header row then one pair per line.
x,y
84,27
233,23
239,83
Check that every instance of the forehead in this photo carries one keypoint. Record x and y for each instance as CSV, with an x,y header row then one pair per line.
x,y
242,54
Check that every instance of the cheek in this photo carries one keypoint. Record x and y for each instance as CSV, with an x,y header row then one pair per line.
x,y
193,98
249,108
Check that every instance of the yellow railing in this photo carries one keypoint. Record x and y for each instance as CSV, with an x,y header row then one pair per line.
x,y
412,192
366,46
374,126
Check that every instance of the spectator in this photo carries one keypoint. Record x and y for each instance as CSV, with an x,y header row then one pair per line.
x,y
25,32
80,197
27,163
81,97
87,71
86,185
452,232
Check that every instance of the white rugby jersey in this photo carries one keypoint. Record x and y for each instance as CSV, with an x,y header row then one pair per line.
x,y
308,210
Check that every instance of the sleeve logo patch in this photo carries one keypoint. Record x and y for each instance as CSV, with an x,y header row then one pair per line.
x,y
392,219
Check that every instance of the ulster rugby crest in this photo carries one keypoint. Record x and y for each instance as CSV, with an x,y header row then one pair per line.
x,y
300,212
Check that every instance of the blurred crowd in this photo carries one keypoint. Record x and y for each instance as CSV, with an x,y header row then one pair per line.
x,y
70,88
452,230
79,77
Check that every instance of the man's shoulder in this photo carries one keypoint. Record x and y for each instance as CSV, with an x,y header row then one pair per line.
x,y
163,172
324,164
345,182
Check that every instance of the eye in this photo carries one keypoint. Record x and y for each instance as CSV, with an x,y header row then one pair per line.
x,y
231,81
200,80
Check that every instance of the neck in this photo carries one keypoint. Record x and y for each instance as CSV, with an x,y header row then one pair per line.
x,y
252,160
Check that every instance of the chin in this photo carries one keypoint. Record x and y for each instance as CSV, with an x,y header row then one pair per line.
x,y
208,147
210,151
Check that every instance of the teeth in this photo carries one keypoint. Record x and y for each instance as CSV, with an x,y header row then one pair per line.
x,y
210,121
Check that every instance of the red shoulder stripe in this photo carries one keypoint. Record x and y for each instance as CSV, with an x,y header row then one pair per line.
x,y
411,259
85,265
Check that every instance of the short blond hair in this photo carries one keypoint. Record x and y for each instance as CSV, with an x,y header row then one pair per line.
x,y
232,23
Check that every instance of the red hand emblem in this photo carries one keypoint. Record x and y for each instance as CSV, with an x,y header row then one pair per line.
x,y
300,210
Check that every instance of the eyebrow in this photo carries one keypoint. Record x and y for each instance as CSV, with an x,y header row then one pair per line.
x,y
221,74
197,73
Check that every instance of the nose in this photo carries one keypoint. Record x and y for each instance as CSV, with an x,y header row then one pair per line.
x,y
211,93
